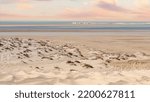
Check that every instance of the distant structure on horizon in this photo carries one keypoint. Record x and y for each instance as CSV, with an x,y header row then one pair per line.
x,y
81,22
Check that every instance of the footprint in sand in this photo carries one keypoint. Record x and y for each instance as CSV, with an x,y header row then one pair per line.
x,y
71,63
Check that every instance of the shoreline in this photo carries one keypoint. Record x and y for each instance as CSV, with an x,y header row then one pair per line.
x,y
74,30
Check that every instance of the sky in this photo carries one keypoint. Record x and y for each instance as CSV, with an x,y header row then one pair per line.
x,y
52,10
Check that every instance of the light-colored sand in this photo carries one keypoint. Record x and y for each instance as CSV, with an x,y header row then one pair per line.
x,y
75,59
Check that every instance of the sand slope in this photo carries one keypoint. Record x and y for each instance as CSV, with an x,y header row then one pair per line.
x,y
46,61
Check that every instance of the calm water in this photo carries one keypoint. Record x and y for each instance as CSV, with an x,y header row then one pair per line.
x,y
73,26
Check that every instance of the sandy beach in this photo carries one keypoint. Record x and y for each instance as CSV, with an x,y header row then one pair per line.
x,y
75,59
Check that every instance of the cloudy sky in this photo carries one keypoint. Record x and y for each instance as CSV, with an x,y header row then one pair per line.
x,y
129,10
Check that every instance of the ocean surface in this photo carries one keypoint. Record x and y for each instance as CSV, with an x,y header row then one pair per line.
x,y
73,26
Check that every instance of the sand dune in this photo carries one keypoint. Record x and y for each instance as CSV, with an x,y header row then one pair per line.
x,y
28,60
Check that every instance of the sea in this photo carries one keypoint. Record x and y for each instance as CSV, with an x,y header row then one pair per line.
x,y
73,26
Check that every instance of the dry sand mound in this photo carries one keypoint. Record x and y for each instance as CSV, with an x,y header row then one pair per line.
x,y
32,61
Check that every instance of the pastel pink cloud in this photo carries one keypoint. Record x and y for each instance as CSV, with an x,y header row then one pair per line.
x,y
93,10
